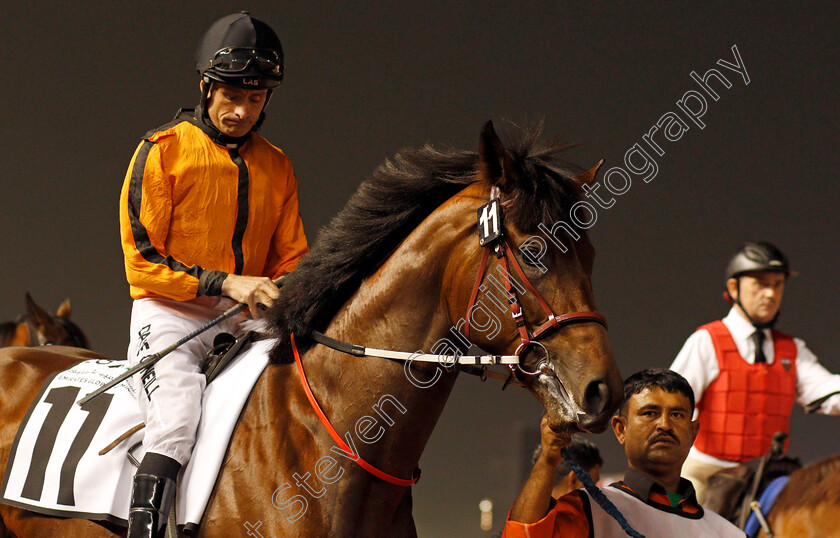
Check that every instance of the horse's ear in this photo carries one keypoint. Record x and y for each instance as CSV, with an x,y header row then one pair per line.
x,y
494,163
64,310
37,315
590,175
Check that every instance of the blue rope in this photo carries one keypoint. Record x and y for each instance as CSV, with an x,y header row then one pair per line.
x,y
599,496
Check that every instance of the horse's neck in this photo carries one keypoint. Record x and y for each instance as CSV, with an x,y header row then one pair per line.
x,y
370,401
401,307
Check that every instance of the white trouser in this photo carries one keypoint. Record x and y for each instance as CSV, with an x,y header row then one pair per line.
x,y
169,393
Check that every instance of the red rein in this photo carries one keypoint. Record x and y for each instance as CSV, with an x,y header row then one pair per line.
x,y
553,322
337,438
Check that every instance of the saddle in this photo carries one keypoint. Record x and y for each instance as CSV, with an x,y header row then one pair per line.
x,y
97,485
730,491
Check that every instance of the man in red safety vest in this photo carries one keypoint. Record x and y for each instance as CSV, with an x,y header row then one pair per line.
x,y
747,375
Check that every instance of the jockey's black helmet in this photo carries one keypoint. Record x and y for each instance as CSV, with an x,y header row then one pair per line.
x,y
759,256
242,51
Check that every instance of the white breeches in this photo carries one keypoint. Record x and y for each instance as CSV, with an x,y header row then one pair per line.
x,y
169,394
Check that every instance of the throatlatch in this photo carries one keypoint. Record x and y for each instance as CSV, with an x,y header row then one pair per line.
x,y
490,236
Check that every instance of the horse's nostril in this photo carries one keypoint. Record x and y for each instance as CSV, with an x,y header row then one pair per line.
x,y
595,398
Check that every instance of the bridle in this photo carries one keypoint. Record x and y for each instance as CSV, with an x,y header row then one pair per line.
x,y
502,249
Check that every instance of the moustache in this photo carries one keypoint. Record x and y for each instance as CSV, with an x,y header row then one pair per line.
x,y
665,435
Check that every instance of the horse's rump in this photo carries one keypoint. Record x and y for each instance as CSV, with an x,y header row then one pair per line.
x,y
808,505
814,484
95,483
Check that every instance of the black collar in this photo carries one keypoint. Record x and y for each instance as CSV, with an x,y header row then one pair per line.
x,y
198,118
643,486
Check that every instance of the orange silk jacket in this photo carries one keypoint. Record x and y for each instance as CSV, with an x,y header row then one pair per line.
x,y
193,210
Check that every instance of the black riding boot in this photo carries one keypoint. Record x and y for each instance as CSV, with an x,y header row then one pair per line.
x,y
151,499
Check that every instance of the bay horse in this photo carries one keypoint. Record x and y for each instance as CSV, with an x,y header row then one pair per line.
x,y
38,327
808,506
398,269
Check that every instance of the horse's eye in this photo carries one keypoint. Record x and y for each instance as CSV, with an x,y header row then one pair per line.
x,y
531,256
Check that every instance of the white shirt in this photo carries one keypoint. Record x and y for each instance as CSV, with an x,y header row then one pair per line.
x,y
697,362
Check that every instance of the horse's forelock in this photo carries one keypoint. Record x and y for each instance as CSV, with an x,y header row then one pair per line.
x,y
545,188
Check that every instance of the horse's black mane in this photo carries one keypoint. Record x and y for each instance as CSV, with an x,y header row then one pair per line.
x,y
392,202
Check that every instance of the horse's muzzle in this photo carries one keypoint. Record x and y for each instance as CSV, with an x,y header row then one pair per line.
x,y
596,399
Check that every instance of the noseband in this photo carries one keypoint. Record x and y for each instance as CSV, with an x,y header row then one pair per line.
x,y
494,239
487,213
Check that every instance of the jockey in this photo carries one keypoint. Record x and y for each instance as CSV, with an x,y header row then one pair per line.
x,y
746,374
208,218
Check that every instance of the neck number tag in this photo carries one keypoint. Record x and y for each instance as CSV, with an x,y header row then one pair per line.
x,y
489,222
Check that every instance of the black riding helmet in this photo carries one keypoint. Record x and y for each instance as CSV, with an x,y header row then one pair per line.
x,y
761,256
756,256
242,51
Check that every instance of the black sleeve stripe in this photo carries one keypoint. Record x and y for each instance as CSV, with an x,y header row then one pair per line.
x,y
242,211
141,237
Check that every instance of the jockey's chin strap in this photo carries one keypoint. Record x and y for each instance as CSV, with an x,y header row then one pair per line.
x,y
504,252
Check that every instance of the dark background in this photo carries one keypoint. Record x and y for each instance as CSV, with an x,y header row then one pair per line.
x,y
82,84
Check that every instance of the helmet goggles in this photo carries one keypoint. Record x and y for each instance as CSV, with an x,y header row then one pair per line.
x,y
233,60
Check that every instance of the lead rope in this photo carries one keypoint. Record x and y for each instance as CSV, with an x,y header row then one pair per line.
x,y
599,496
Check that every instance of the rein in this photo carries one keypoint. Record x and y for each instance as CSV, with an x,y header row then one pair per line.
x,y
465,363
490,212
337,438
446,360
598,495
